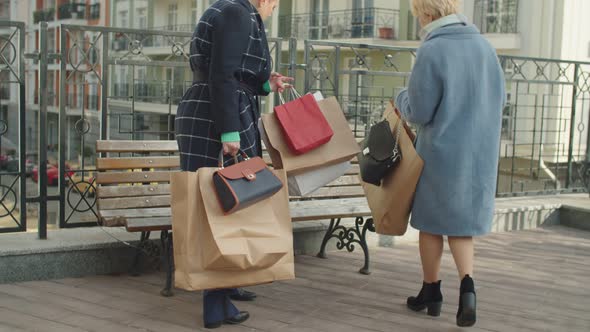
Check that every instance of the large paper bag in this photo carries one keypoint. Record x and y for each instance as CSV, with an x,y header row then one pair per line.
x,y
304,184
342,147
391,203
213,250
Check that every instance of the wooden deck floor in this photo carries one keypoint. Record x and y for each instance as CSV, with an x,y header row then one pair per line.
x,y
526,281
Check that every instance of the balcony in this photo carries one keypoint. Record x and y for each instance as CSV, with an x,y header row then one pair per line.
x,y
44,15
341,24
496,16
149,92
79,11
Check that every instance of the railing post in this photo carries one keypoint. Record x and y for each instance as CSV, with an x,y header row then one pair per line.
x,y
42,140
63,60
293,57
22,125
307,67
570,153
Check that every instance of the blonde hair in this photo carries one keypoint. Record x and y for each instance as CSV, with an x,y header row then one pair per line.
x,y
435,8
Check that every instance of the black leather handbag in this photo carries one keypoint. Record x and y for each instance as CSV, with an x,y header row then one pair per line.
x,y
244,183
380,153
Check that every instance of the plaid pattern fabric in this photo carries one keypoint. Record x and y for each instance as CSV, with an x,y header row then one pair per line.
x,y
235,67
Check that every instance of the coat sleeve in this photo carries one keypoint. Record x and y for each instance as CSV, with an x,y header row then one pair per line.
x,y
231,36
418,103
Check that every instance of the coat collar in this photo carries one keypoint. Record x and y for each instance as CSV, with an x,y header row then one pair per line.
x,y
248,5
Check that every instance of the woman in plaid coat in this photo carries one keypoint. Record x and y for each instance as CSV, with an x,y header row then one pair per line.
x,y
231,67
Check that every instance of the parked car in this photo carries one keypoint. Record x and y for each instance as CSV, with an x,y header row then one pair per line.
x,y
52,174
12,166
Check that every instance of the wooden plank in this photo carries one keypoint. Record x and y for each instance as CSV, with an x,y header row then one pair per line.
x,y
346,180
133,202
334,192
133,177
133,190
136,213
137,163
329,208
148,224
136,146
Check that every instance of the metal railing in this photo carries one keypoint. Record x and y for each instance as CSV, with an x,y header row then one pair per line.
x,y
545,143
132,93
341,24
496,16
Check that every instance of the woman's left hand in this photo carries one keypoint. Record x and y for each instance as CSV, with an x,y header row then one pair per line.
x,y
278,82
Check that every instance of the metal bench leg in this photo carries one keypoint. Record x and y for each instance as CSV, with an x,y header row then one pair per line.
x,y
348,237
166,238
135,268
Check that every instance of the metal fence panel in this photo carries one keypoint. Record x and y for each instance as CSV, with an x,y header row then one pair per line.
x,y
13,155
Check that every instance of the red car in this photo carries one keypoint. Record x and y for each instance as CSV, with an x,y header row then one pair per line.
x,y
52,174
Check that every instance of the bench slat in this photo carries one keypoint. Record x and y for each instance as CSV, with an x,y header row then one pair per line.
x,y
134,202
334,192
148,224
346,180
328,209
137,162
135,190
136,146
133,177
136,213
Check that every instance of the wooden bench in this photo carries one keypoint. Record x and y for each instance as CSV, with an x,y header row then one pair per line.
x,y
140,200
134,191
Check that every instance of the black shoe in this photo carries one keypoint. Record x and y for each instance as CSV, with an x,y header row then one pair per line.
x,y
429,298
237,319
466,314
243,295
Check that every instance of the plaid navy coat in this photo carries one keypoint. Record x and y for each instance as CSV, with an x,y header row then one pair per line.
x,y
229,53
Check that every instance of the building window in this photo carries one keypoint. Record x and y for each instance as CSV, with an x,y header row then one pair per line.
x,y
124,19
173,16
49,4
496,16
195,12
142,18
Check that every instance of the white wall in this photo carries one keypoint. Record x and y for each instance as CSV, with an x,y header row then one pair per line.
x,y
575,43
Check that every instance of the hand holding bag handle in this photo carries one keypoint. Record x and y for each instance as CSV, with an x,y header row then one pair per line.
x,y
221,161
294,95
244,183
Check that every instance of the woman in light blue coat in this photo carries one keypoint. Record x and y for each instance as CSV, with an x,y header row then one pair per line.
x,y
455,97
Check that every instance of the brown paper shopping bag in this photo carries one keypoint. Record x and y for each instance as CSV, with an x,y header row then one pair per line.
x,y
391,203
213,250
342,147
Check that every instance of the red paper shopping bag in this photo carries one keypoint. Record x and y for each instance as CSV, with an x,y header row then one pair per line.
x,y
304,126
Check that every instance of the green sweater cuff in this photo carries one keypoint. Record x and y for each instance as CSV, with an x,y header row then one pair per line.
x,y
266,87
233,136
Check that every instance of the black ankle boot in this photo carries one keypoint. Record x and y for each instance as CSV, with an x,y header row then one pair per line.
x,y
466,315
429,298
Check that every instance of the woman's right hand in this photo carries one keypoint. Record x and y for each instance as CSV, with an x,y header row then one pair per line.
x,y
231,148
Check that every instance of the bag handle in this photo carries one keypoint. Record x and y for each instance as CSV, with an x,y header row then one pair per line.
x,y
221,161
294,95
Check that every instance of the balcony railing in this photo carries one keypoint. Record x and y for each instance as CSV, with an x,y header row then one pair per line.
x,y
149,92
341,24
46,15
496,16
